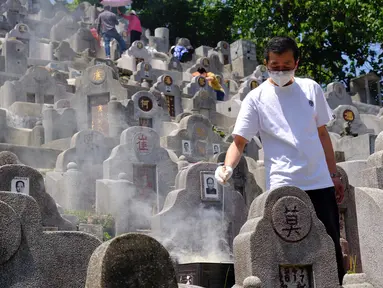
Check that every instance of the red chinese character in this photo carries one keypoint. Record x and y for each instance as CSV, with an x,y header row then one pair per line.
x,y
142,143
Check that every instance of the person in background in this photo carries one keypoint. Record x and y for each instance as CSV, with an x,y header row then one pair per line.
x,y
134,26
213,82
106,26
297,146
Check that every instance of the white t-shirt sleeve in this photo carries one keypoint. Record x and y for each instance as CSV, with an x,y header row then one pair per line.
x,y
247,123
323,111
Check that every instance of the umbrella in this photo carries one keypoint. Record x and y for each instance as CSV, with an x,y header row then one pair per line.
x,y
116,3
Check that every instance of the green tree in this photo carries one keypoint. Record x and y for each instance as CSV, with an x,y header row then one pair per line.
x,y
331,34
202,22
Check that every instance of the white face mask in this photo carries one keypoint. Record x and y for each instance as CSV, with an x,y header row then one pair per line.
x,y
281,78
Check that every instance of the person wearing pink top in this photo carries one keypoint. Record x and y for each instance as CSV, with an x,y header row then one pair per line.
x,y
134,27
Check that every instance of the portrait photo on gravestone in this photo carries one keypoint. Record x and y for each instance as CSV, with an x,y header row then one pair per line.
x,y
20,185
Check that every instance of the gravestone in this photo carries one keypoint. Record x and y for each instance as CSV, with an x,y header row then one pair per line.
x,y
194,139
23,179
243,57
33,258
93,93
131,260
82,40
284,244
14,11
369,203
36,86
203,62
15,56
72,183
136,54
165,84
144,71
197,84
344,114
216,66
223,49
174,64
212,216
348,222
147,165
65,28
7,157
147,112
21,33
337,95
59,122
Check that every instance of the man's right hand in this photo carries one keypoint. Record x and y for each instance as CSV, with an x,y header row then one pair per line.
x,y
223,174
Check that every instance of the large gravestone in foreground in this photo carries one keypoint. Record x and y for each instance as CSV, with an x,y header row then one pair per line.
x,y
131,261
283,244
32,258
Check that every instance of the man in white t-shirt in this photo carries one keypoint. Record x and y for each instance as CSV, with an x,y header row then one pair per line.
x,y
290,116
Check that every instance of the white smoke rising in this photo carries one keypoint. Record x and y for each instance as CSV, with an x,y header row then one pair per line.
x,y
201,237
17,121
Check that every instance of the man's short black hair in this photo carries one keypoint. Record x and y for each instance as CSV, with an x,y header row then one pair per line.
x,y
280,45
22,182
201,70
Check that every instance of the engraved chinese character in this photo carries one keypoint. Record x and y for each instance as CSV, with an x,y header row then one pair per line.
x,y
145,103
291,220
142,143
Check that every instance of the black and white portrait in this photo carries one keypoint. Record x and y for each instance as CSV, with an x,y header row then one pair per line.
x,y
20,185
186,149
209,186
216,149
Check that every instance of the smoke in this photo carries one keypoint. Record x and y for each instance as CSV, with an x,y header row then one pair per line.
x,y
17,121
201,237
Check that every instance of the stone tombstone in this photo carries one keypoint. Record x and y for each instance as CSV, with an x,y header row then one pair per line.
x,y
347,114
295,250
196,198
15,12
243,180
64,29
64,52
243,57
15,56
88,149
369,203
197,84
23,179
246,87
203,62
174,64
216,66
51,258
165,84
21,33
131,260
147,113
82,40
194,139
149,166
348,223
36,86
137,53
7,157
60,122
93,94
372,175
337,95
144,71
223,49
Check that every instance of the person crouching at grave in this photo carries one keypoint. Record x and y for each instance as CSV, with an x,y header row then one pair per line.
x,y
106,26
134,26
213,82
183,54
297,146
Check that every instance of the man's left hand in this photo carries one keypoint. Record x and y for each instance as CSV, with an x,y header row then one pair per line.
x,y
339,189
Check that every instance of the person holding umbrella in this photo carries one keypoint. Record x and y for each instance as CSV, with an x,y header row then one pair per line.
x,y
106,26
134,27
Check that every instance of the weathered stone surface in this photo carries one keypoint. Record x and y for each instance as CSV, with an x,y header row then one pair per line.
x,y
36,259
7,157
131,260
259,251
48,207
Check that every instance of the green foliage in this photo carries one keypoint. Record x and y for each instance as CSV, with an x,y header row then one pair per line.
x,y
219,132
326,31
203,22
107,221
